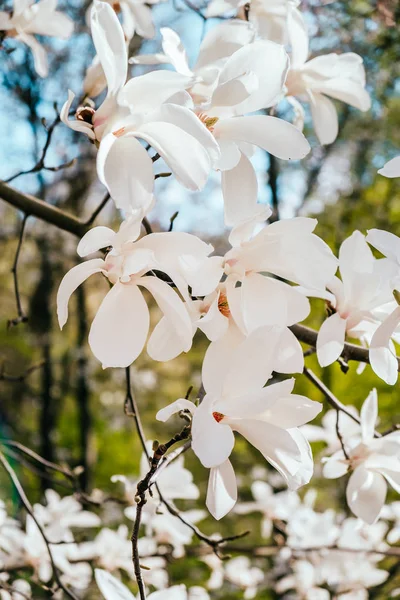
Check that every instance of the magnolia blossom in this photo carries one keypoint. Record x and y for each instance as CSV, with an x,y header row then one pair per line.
x,y
338,76
236,401
271,18
41,18
62,514
392,168
240,571
121,326
372,461
19,589
136,17
226,85
327,432
112,589
366,284
140,109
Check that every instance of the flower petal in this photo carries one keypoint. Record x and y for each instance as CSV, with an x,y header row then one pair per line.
x,y
221,490
126,169
71,281
109,41
276,136
110,587
369,416
94,239
391,168
366,493
120,327
174,311
330,340
325,119
181,404
382,359
212,442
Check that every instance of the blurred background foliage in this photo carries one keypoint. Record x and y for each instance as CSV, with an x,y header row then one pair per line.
x,y
66,407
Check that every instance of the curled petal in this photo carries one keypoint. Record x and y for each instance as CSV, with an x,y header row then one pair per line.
x,y
330,341
391,168
383,360
182,404
94,239
366,493
222,490
71,281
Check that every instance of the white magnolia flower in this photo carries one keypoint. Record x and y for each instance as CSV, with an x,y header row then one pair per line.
x,y
338,76
224,91
392,168
307,528
271,18
366,284
373,462
136,17
237,401
41,18
282,249
62,514
219,43
240,571
382,352
273,506
121,326
140,109
112,589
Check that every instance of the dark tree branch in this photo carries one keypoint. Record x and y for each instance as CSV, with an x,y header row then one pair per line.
x,y
21,318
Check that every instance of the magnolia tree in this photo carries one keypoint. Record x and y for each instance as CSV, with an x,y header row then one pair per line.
x,y
195,117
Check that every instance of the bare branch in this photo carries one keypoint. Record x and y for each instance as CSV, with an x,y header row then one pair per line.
x,y
21,318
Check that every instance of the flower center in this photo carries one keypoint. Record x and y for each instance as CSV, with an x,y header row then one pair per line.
x,y
218,416
209,122
85,113
223,305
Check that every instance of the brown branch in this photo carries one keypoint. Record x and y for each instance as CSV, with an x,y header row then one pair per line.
x,y
19,378
21,318
350,351
34,207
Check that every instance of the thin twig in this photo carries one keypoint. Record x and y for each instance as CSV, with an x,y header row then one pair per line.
x,y
22,318
18,378
28,507
331,398
98,210
339,435
147,226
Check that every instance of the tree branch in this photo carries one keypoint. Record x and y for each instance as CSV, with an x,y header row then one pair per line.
x,y
34,207
350,351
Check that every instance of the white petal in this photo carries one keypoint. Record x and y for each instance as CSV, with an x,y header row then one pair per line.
x,y
222,490
214,324
369,416
142,17
348,91
174,49
334,468
94,239
324,117
126,169
383,361
385,242
212,442
217,360
234,91
173,309
203,276
391,168
268,301
289,354
39,53
298,37
276,136
186,119
223,40
183,153
147,92
269,62
165,342
182,404
71,281
239,188
330,341
109,41
366,493
110,587
120,327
